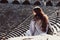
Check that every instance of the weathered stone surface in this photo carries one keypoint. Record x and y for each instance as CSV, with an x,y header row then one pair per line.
x,y
40,37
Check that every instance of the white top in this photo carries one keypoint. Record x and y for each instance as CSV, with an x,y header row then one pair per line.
x,y
35,28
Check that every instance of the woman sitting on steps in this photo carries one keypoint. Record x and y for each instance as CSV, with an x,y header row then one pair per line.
x,y
40,24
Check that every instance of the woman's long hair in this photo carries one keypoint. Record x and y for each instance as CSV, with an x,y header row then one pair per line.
x,y
41,16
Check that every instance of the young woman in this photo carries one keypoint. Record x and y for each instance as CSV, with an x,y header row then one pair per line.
x,y
39,24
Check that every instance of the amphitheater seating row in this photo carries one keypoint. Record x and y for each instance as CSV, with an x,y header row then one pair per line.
x,y
26,2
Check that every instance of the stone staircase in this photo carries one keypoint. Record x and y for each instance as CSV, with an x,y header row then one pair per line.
x,y
15,19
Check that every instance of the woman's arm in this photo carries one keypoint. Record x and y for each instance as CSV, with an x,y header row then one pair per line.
x,y
31,29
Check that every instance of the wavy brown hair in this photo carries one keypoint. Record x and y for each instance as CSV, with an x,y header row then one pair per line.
x,y
41,16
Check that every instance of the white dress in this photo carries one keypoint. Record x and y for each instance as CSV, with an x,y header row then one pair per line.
x,y
34,29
